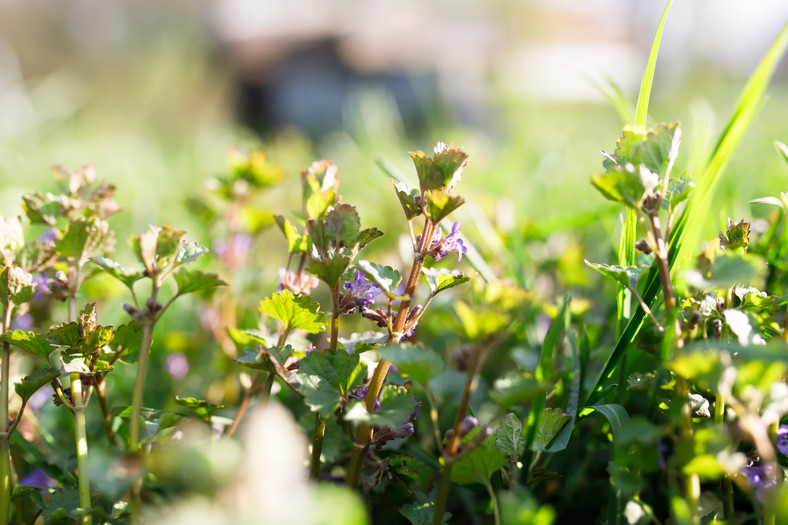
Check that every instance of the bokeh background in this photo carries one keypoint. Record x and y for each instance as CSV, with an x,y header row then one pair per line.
x,y
153,93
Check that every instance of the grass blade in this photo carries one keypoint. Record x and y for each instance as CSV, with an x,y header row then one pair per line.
x,y
641,110
747,106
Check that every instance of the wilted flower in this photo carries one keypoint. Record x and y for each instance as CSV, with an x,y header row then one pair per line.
x,y
359,293
298,283
441,246
235,251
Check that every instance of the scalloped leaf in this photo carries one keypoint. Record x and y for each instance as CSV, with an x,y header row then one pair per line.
x,y
443,279
296,243
196,281
116,270
417,363
396,407
294,312
85,238
366,236
32,383
126,342
408,198
626,184
189,251
331,270
626,275
440,204
386,277
16,286
35,344
478,465
325,379
270,360
509,437
341,226
201,408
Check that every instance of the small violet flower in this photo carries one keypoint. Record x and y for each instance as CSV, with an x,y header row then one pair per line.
x,y
234,251
361,393
782,439
359,293
441,246
762,479
177,365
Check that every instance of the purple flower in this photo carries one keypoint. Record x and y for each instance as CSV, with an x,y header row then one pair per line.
x,y
782,439
177,365
234,251
361,393
359,293
762,479
441,246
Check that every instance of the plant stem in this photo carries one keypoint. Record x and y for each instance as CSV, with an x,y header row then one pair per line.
x,y
80,433
139,385
317,445
443,494
496,510
106,417
5,448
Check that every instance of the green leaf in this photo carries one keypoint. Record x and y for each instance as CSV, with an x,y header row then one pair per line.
x,y
422,512
341,226
168,243
478,465
255,219
408,198
679,189
386,277
440,204
69,362
16,286
271,360
126,342
729,269
32,383
417,363
85,238
295,312
202,409
296,243
443,170
329,271
326,379
443,279
509,436
35,344
116,270
246,338
319,186
253,168
366,236
196,281
626,184
64,335
43,208
655,148
737,236
782,149
11,235
189,251
625,275
396,407
551,421
615,414
515,388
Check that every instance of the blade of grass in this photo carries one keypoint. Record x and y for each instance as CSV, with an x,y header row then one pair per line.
x,y
641,110
544,369
562,439
750,101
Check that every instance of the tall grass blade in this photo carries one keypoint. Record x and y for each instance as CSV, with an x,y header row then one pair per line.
x,y
641,110
748,105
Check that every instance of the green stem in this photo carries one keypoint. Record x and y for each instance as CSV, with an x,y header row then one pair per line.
x,y
496,510
5,448
727,489
80,433
106,416
317,445
443,494
139,385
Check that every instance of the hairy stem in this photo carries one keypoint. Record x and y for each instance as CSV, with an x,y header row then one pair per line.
x,y
106,416
443,494
317,445
80,433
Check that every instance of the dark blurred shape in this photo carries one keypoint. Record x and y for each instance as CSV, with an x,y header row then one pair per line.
x,y
312,87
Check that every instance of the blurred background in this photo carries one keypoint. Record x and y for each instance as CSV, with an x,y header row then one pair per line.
x,y
153,93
